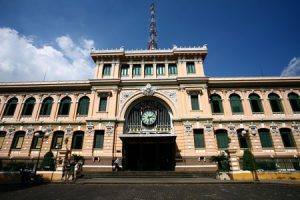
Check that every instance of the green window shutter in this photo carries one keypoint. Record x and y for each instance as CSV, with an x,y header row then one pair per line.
x,y
28,106
295,102
18,140
148,69
11,107
106,69
243,142
160,69
57,140
216,104
255,103
83,106
265,139
190,67
64,107
103,103
136,70
2,137
38,144
195,102
124,70
287,137
199,138
172,69
98,139
77,140
236,104
222,139
46,107
275,103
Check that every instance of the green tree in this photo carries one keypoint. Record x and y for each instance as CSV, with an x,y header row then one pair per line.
x,y
248,161
48,162
222,161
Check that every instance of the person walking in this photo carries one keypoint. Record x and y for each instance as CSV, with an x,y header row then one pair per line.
x,y
116,164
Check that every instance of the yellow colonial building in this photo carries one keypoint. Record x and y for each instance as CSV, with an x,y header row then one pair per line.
x,y
155,110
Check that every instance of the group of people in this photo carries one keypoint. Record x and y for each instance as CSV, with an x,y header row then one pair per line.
x,y
71,170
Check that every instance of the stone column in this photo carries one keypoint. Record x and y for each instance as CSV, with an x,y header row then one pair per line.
x,y
19,108
233,160
167,69
154,70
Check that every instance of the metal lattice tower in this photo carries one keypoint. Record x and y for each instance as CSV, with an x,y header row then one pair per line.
x,y
152,43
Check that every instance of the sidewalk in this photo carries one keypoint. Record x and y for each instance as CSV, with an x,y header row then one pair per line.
x,y
176,181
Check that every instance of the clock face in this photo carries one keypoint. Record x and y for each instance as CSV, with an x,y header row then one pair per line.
x,y
148,117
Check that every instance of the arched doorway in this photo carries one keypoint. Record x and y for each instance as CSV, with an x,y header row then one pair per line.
x,y
148,138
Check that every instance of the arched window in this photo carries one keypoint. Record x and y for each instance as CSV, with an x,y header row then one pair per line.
x,y
275,103
222,139
83,106
216,103
28,106
295,102
2,137
265,138
11,107
18,140
64,107
287,137
57,140
243,141
46,106
77,140
37,140
236,103
255,103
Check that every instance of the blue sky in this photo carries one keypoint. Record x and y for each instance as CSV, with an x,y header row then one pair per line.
x,y
245,38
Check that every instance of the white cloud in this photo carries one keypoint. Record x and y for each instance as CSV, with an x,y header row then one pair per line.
x,y
293,68
21,60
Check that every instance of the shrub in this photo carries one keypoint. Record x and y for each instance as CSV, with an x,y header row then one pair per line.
x,y
248,161
222,161
48,162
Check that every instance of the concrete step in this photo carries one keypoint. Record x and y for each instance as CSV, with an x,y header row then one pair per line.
x,y
149,174
148,181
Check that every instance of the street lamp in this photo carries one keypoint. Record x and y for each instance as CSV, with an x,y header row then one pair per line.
x,y
38,134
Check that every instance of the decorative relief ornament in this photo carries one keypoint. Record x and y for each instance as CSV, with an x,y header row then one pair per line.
x,y
148,90
90,128
69,130
125,95
208,126
296,127
274,128
30,130
253,128
187,127
11,130
48,130
231,127
109,128
171,94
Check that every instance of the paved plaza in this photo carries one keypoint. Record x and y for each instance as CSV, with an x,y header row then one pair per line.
x,y
152,191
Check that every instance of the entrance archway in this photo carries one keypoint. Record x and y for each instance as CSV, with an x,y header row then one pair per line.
x,y
148,138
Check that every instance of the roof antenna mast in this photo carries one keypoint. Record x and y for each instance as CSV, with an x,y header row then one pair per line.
x,y
152,43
